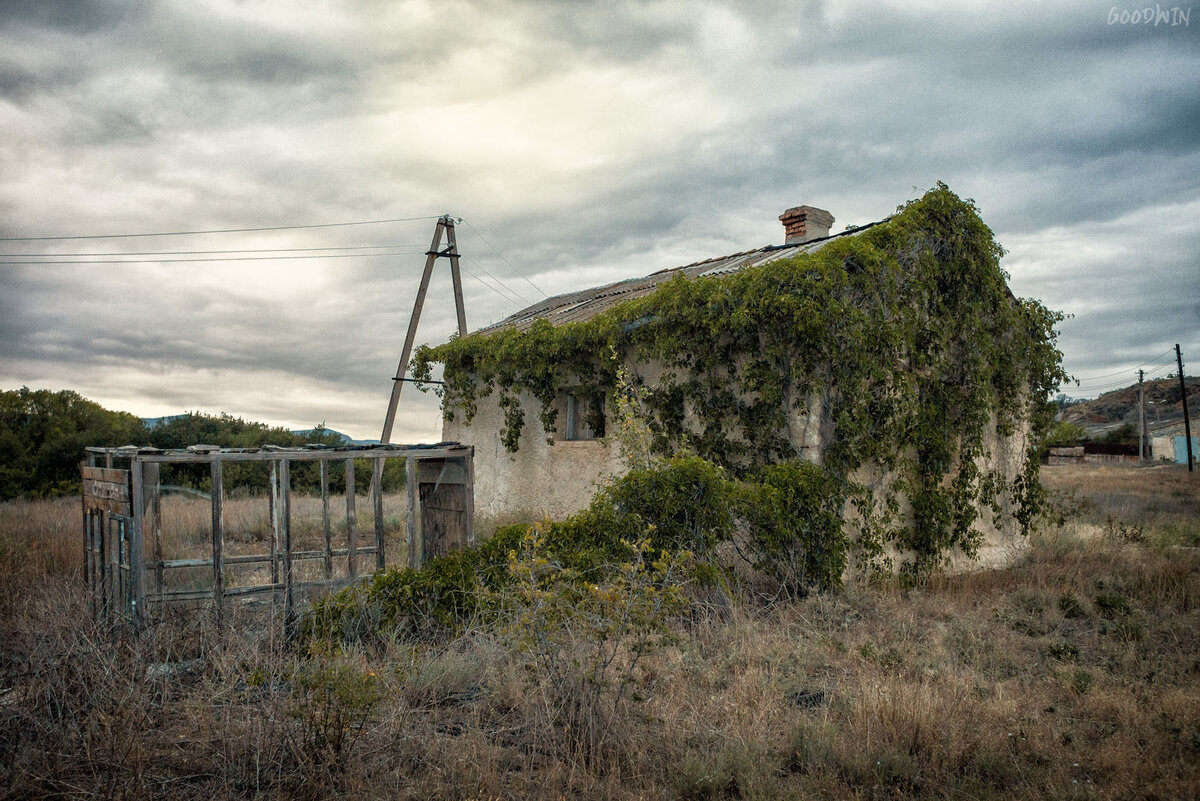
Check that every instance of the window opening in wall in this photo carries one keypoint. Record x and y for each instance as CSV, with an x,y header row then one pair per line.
x,y
585,417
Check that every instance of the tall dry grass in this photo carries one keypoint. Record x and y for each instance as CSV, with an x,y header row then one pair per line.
x,y
1157,501
1072,674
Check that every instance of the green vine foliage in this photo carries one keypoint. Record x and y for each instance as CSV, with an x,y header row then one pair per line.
x,y
905,333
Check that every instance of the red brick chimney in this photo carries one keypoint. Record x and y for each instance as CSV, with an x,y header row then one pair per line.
x,y
805,223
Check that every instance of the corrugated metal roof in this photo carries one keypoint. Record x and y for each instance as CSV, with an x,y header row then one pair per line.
x,y
587,303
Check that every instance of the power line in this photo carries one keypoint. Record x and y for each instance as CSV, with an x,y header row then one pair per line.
x,y
1123,372
1105,385
221,258
506,261
474,275
204,252
481,268
213,230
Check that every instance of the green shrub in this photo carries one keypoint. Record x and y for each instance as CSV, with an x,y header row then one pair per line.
x,y
686,504
794,522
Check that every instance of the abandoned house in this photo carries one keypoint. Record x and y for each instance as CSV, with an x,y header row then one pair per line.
x,y
892,354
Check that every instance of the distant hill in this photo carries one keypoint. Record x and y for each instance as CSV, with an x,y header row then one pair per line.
x,y
1164,407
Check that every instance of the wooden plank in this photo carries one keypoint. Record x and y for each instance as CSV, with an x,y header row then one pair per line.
x,y
200,595
101,566
119,604
137,546
443,519
106,474
416,546
300,555
105,489
273,501
285,527
152,475
87,549
410,336
218,539
325,520
108,505
91,553
351,522
111,550
302,456
377,498
245,559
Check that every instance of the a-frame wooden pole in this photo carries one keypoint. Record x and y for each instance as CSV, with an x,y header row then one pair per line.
x,y
456,275
444,224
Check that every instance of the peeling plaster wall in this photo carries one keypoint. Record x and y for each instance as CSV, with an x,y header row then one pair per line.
x,y
539,480
544,480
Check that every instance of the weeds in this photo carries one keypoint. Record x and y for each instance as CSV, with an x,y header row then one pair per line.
x,y
1071,674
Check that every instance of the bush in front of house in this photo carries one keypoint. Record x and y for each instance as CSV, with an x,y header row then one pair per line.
x,y
787,524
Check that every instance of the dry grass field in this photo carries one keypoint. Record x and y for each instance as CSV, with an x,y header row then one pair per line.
x,y
1074,674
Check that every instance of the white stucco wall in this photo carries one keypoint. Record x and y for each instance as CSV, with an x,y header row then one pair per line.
x,y
539,480
544,480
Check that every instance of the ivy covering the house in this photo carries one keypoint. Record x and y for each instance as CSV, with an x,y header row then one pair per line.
x,y
904,337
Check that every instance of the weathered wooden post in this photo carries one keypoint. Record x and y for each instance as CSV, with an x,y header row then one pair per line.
x,y
351,522
285,520
377,498
325,525
416,542
217,493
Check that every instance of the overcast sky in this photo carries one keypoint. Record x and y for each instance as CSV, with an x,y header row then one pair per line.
x,y
580,142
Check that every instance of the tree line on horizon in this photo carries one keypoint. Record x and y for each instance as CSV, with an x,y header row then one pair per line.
x,y
43,435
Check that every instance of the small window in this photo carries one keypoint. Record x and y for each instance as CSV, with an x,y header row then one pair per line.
x,y
584,416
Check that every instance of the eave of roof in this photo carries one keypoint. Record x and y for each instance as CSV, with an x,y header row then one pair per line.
x,y
587,303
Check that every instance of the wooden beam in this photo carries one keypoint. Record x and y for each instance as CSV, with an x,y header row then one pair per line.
x,y
285,517
87,541
456,275
351,553
416,543
406,353
104,474
150,473
325,520
217,493
377,496
274,507
393,451
138,474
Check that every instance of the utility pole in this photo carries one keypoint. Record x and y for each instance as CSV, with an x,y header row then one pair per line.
x,y
1141,417
1187,422
445,224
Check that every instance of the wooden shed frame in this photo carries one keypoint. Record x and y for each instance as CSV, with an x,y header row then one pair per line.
x,y
122,509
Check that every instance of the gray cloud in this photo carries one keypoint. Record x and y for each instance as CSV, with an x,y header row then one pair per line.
x,y
587,141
